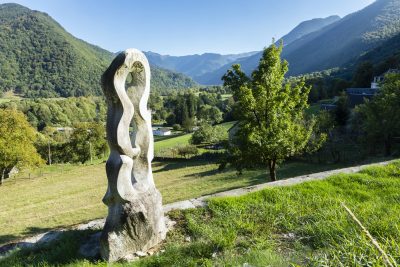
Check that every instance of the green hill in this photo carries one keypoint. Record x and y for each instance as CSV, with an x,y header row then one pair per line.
x,y
383,57
39,58
335,44
346,39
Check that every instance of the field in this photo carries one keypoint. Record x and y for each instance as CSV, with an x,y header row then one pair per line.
x,y
167,142
64,195
302,225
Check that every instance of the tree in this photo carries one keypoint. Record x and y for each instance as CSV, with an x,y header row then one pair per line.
x,y
324,124
381,116
271,124
363,75
188,124
210,114
17,139
342,110
208,134
87,141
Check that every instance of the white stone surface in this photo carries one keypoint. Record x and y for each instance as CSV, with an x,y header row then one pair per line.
x,y
135,220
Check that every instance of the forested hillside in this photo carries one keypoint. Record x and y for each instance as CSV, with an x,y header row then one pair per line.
x,y
345,40
249,62
333,45
38,58
307,27
383,57
60,112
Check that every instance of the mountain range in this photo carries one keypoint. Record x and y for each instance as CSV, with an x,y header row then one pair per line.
x,y
194,65
38,58
321,44
208,68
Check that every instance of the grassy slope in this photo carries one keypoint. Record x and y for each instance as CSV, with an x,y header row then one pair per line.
x,y
63,195
182,139
303,224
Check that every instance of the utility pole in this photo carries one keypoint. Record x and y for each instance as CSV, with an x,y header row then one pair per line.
x,y
49,154
90,151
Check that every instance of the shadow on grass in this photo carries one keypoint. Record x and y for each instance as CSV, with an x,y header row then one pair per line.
x,y
162,138
61,251
35,230
173,165
12,240
7,238
290,169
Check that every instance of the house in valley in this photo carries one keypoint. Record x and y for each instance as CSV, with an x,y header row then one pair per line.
x,y
162,131
357,96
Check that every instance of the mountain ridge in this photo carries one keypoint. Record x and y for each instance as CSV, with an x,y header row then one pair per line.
x,y
194,65
335,44
39,58
249,63
348,38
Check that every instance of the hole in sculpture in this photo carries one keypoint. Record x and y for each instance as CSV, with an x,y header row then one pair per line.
x,y
135,84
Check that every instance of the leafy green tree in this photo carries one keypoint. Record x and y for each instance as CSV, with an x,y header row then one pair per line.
x,y
342,111
63,112
271,123
188,124
381,115
87,142
17,139
363,75
323,135
207,134
210,114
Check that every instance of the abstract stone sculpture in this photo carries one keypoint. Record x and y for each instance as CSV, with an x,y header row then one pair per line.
x,y
135,221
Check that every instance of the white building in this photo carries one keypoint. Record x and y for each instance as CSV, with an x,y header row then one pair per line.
x,y
379,79
162,131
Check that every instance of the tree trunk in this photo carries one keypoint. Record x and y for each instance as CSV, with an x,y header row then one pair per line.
x,y
272,169
2,176
388,147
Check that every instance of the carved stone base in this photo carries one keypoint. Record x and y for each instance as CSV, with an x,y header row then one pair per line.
x,y
133,227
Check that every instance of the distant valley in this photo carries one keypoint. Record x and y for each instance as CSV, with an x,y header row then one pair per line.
x,y
208,68
321,44
40,59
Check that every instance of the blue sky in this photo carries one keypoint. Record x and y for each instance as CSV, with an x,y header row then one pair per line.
x,y
181,27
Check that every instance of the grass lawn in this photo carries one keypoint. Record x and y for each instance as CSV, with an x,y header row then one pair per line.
x,y
167,142
179,140
301,225
63,195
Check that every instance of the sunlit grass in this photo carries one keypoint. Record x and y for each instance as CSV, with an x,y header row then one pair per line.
x,y
64,195
304,225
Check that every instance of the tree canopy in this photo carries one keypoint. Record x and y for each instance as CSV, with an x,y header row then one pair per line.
x,y
380,117
38,58
270,112
17,139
